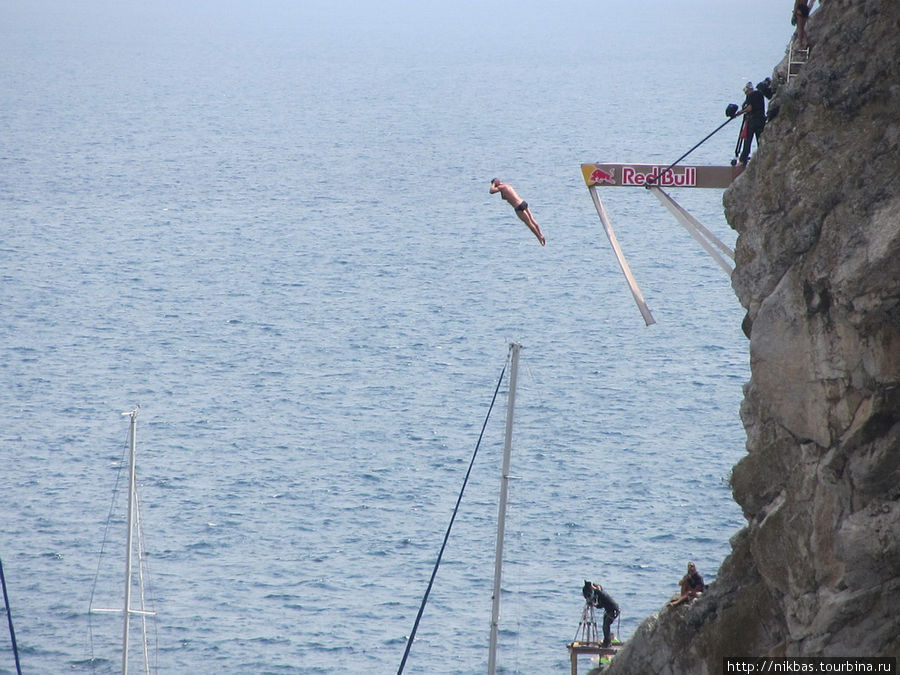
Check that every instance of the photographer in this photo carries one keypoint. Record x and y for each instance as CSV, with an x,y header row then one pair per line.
x,y
596,596
755,121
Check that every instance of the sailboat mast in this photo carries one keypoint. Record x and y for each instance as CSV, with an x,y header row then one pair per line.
x,y
132,488
501,515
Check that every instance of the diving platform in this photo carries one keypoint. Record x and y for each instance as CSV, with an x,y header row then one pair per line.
x,y
654,178
649,175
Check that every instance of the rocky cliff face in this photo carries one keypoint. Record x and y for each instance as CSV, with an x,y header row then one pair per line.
x,y
816,572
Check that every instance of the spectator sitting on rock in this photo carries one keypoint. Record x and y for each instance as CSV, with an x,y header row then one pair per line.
x,y
691,585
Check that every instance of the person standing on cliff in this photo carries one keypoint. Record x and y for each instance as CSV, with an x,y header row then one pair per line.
x,y
799,17
596,596
755,109
520,206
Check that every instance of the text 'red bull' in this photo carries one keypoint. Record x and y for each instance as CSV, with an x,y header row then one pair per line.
x,y
687,178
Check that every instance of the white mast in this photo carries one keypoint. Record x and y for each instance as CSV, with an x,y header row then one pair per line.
x,y
133,523
501,515
132,483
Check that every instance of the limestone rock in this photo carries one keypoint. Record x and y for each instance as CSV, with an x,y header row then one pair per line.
x,y
816,571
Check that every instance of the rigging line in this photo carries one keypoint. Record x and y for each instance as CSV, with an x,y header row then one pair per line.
x,y
12,632
653,179
412,635
112,506
144,570
536,384
538,389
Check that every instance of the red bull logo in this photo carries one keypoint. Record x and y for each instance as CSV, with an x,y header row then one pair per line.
x,y
599,177
633,176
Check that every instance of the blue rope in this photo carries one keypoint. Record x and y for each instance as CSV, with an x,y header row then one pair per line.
x,y
12,632
412,635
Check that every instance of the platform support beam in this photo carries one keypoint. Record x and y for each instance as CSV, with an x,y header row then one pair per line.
x,y
620,257
695,228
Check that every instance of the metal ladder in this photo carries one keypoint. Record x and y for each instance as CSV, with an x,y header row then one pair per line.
x,y
797,58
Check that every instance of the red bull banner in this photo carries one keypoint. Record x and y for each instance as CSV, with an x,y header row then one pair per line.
x,y
643,175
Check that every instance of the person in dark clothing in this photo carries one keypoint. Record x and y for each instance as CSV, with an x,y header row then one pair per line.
x,y
691,585
798,18
755,110
596,596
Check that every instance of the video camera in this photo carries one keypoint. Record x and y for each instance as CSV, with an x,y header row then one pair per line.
x,y
765,88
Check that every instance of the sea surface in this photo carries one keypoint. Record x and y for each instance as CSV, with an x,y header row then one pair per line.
x,y
268,224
